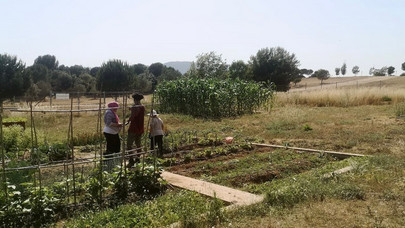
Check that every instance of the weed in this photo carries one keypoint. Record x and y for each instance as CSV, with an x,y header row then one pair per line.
x,y
306,127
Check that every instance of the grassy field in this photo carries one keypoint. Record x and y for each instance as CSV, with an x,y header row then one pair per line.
x,y
366,120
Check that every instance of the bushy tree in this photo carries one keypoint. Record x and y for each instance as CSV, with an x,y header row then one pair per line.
x,y
156,69
47,60
378,72
38,73
337,71
343,69
241,70
275,65
208,65
139,68
94,71
78,70
61,81
306,71
390,70
114,75
168,74
144,82
13,80
356,70
403,66
321,74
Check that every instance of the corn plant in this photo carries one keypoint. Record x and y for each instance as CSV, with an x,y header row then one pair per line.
x,y
212,98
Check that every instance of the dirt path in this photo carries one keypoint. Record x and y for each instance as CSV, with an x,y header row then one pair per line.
x,y
230,195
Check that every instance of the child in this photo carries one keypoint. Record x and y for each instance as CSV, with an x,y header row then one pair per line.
x,y
156,133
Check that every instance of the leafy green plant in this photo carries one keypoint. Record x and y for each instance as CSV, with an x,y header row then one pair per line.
x,y
306,127
212,98
386,98
14,119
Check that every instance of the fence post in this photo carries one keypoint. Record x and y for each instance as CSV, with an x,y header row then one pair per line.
x,y
2,150
78,100
50,99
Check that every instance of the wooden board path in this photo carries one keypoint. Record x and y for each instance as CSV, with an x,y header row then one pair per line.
x,y
230,195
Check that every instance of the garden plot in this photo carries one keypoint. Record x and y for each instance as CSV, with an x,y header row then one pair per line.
x,y
243,166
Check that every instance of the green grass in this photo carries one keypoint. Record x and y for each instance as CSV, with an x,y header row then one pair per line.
x,y
183,206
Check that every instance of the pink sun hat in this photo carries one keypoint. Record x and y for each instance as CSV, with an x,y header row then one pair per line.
x,y
113,105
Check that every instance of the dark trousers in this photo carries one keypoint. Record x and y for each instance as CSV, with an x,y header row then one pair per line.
x,y
157,140
113,143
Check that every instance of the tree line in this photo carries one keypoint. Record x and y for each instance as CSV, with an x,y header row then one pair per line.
x,y
275,66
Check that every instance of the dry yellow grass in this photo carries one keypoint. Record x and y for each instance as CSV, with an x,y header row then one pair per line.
x,y
343,97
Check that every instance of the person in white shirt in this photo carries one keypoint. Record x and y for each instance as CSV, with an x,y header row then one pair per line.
x,y
156,133
112,127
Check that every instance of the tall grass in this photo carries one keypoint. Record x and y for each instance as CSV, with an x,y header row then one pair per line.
x,y
343,97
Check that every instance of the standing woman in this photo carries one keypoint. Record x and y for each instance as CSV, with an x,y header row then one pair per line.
x,y
156,133
112,127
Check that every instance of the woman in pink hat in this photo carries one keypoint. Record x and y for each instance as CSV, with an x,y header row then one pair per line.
x,y
112,127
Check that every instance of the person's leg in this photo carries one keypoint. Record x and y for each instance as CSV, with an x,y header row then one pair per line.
x,y
113,146
152,142
138,143
130,140
159,142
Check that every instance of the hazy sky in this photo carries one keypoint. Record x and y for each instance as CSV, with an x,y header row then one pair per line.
x,y
321,33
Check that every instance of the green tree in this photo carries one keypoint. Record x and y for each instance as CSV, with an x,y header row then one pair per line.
x,y
390,70
337,71
61,81
78,70
114,75
94,71
322,74
343,69
241,70
168,74
144,82
38,73
275,65
356,70
403,66
13,80
88,81
304,72
156,69
379,72
209,65
139,68
47,60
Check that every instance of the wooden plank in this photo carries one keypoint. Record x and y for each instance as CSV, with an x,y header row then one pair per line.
x,y
230,195
333,153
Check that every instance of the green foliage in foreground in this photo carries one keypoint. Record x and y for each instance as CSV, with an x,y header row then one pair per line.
x,y
184,207
212,98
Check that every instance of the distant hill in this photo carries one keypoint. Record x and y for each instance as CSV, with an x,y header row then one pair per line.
x,y
181,66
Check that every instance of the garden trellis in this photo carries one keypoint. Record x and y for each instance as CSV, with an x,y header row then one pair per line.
x,y
70,164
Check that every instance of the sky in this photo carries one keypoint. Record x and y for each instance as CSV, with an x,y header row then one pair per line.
x,y
323,34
